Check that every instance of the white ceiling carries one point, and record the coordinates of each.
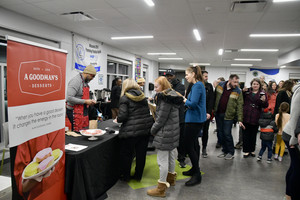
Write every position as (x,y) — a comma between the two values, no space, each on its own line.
(171,23)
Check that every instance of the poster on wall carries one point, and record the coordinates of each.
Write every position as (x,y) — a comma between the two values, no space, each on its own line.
(86,52)
(138,68)
(36,117)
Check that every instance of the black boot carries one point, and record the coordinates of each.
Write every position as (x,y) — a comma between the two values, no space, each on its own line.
(196,179)
(188,173)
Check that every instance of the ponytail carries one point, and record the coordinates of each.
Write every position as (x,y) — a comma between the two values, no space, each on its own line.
(283,108)
(198,73)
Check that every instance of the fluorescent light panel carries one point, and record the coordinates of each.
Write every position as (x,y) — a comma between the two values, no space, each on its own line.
(248,59)
(260,50)
(220,52)
(150,3)
(170,58)
(195,64)
(161,53)
(276,35)
(3,44)
(132,37)
(246,65)
(197,34)
(282,1)
(283,66)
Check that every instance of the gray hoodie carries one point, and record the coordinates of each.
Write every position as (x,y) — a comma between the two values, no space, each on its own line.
(289,129)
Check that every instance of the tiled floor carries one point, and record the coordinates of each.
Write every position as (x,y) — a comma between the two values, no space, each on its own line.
(237,179)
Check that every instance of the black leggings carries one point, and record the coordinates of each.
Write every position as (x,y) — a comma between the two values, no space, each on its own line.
(191,142)
(293,174)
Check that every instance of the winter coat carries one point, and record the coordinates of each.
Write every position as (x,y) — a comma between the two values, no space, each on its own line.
(166,126)
(235,102)
(253,106)
(272,101)
(290,131)
(210,97)
(178,87)
(134,115)
(196,104)
(267,127)
(282,96)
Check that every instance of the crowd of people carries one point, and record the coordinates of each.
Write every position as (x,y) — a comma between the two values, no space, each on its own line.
(182,115)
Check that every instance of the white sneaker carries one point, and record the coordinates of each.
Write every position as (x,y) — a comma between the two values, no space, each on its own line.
(279,158)
(276,156)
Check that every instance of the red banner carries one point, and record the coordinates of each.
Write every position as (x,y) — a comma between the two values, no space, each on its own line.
(36,113)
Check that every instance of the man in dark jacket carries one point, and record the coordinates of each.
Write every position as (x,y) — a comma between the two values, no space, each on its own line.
(115,97)
(209,106)
(178,87)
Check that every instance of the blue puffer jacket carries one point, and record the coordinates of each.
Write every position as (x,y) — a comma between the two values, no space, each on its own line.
(196,104)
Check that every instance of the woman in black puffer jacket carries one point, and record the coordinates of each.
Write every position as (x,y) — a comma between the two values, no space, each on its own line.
(136,122)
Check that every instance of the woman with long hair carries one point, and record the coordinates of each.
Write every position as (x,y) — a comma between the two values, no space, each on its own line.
(134,134)
(272,95)
(284,95)
(194,120)
(166,134)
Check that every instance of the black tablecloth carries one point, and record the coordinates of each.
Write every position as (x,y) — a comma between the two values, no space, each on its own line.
(94,170)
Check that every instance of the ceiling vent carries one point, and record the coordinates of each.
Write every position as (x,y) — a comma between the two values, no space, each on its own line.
(78,16)
(248,6)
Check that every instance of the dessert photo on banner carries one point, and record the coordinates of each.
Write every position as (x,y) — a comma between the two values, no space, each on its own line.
(39,164)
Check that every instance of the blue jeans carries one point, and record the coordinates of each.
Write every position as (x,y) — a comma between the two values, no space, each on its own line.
(266,144)
(224,130)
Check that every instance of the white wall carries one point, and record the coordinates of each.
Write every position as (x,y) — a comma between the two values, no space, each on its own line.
(216,72)
(14,21)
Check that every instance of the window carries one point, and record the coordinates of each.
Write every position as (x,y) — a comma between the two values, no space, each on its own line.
(116,68)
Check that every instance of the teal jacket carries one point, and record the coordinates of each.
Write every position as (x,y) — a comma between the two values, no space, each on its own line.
(235,102)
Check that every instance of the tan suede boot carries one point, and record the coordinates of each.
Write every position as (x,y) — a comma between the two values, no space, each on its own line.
(171,178)
(160,190)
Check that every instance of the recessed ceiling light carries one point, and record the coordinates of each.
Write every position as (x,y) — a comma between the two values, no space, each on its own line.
(260,50)
(170,58)
(276,35)
(161,54)
(221,51)
(132,37)
(196,64)
(246,65)
(248,59)
(281,1)
(149,3)
(197,34)
(283,66)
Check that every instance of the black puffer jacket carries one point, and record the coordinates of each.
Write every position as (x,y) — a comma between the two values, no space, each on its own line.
(134,114)
(166,126)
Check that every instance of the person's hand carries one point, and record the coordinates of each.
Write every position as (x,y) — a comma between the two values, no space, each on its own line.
(184,99)
(40,178)
(245,89)
(207,116)
(263,98)
(242,125)
(89,102)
